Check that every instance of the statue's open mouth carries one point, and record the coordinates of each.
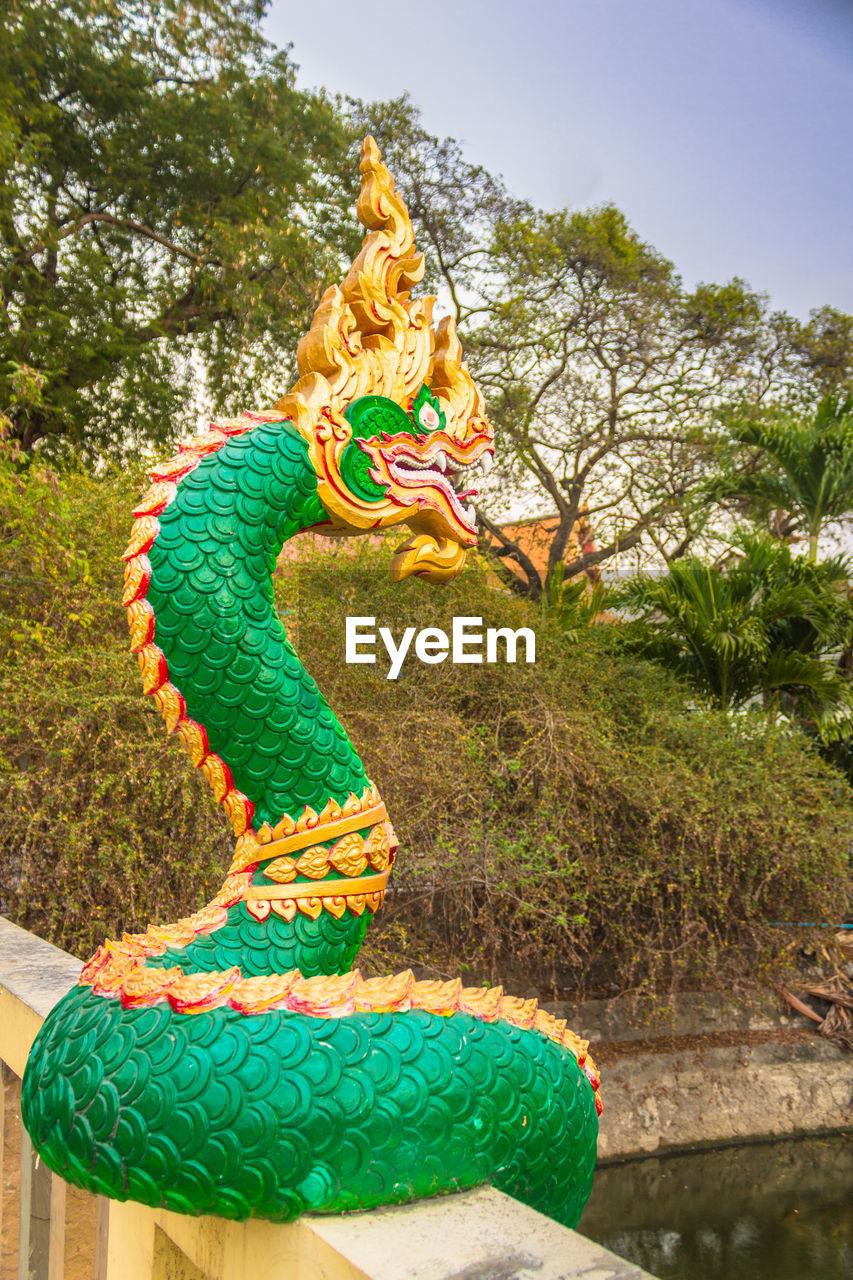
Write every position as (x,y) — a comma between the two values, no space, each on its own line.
(437,463)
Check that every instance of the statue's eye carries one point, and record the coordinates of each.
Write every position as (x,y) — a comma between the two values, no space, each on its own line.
(427,417)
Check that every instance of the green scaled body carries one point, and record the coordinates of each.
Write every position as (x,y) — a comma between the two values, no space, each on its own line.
(212,596)
(278,1113)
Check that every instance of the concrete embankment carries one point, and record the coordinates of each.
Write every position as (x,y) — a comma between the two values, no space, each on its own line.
(709,1071)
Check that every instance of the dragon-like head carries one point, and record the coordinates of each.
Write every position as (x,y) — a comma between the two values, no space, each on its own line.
(395,425)
(413,470)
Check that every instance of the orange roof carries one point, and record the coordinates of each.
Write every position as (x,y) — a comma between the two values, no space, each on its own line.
(534,536)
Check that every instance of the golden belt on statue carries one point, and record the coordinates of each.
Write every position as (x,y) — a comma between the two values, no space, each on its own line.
(292,850)
(332,888)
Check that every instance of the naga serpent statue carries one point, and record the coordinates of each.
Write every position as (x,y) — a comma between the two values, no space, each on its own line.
(234,1063)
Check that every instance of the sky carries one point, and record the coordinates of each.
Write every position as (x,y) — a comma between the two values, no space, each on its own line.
(722,128)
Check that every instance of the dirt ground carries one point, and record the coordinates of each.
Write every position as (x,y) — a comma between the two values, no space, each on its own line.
(80,1207)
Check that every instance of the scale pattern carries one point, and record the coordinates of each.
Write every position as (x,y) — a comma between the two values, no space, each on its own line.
(211,593)
(324,945)
(276,1112)
(280,1114)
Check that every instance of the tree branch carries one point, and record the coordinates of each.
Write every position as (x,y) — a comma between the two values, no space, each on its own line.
(589,558)
(127,224)
(513,551)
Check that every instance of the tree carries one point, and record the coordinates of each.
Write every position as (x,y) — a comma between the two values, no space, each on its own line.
(599,369)
(823,351)
(792,472)
(167,199)
(456,207)
(602,372)
(772,628)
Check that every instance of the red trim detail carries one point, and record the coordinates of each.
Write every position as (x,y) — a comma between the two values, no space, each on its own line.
(169,475)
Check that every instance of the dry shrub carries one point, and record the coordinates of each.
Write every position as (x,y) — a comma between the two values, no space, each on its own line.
(570,824)
(573,824)
(105,826)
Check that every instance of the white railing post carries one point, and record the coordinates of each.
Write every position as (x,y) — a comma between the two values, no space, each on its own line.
(102,1236)
(56,1256)
(4,1074)
(41,1227)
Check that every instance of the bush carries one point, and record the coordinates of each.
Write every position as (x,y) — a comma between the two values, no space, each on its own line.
(574,824)
(105,825)
(563,825)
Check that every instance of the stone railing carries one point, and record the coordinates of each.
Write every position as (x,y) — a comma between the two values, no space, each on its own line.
(64,1233)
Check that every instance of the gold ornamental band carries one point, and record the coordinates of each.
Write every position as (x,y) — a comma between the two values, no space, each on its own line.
(319,889)
(328,831)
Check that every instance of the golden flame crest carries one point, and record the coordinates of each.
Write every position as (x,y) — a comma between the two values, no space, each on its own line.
(369,337)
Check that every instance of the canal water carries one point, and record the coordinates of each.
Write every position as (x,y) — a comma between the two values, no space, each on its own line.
(768,1211)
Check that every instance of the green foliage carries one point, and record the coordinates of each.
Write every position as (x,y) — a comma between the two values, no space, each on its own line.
(793,470)
(169,204)
(563,825)
(570,824)
(771,627)
(104,825)
(603,373)
(574,604)
(824,347)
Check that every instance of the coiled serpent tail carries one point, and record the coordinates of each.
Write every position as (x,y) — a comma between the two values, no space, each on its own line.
(231,1063)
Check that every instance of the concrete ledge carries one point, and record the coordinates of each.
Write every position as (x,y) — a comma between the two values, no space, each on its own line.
(656,1102)
(34,975)
(477,1235)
